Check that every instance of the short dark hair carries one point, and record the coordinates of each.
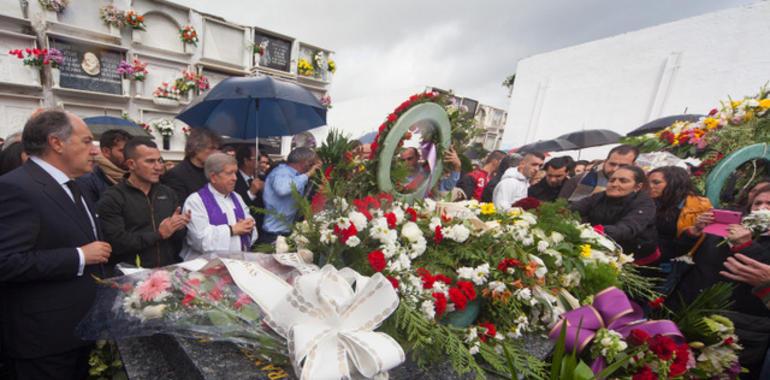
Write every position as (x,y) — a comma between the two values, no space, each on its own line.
(200,139)
(46,123)
(539,155)
(496,155)
(243,153)
(557,163)
(112,137)
(129,152)
(624,149)
(10,158)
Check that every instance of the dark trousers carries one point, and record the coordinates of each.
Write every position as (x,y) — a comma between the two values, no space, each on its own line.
(269,237)
(72,365)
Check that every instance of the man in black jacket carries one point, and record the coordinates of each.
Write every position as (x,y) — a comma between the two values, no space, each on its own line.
(248,184)
(49,250)
(110,166)
(187,177)
(140,217)
(547,190)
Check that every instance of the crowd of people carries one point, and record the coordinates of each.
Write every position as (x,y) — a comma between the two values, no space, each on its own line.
(70,211)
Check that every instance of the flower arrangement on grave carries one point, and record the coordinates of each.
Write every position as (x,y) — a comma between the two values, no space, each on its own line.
(125,69)
(692,343)
(732,125)
(332,66)
(57,6)
(192,81)
(186,130)
(139,70)
(134,20)
(305,68)
(188,35)
(259,48)
(167,90)
(39,57)
(164,127)
(112,16)
(326,101)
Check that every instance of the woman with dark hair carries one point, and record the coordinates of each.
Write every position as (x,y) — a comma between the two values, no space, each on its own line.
(12,157)
(625,212)
(677,205)
(505,163)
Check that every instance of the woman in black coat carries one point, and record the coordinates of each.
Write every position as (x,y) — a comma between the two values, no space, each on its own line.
(626,213)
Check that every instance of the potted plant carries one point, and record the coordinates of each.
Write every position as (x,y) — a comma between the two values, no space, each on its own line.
(167,94)
(113,17)
(126,71)
(188,35)
(258,51)
(52,8)
(165,128)
(139,75)
(136,22)
(186,84)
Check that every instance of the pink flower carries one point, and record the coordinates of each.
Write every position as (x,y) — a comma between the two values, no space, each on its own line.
(155,286)
(243,299)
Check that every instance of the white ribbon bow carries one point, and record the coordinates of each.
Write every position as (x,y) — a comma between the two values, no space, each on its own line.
(329,325)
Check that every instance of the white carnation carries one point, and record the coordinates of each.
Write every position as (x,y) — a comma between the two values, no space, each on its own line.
(411,231)
(458,233)
(465,273)
(428,309)
(496,286)
(418,248)
(480,274)
(399,213)
(328,236)
(353,241)
(542,245)
(358,219)
(281,246)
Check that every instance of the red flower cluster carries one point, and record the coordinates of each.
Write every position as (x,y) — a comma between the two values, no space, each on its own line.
(439,299)
(527,203)
(662,346)
(438,235)
(638,337)
(345,234)
(657,303)
(391,219)
(645,374)
(411,214)
(393,281)
(460,294)
(392,117)
(377,260)
(668,137)
(508,263)
(487,330)
(318,203)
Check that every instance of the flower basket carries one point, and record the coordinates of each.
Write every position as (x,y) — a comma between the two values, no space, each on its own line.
(55,77)
(165,102)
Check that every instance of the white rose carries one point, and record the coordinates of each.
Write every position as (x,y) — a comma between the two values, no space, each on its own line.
(399,213)
(556,237)
(153,311)
(458,233)
(418,248)
(411,231)
(353,241)
(358,219)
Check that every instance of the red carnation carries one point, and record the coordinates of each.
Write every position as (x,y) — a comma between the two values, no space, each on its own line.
(328,171)
(458,298)
(318,202)
(599,229)
(507,263)
(387,198)
(662,346)
(427,278)
(377,260)
(638,337)
(393,281)
(440,303)
(438,236)
(488,330)
(443,278)
(414,98)
(527,203)
(412,214)
(373,150)
(656,303)
(372,201)
(362,207)
(729,340)
(679,366)
(468,289)
(382,128)
(392,118)
(391,219)
(645,374)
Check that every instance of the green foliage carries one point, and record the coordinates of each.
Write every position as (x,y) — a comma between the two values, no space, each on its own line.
(336,145)
(598,276)
(104,362)
(637,286)
(690,317)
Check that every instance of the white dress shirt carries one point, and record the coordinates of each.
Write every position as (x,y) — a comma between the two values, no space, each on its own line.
(202,237)
(62,179)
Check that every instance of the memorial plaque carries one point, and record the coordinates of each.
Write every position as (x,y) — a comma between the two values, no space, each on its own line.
(89,68)
(277,53)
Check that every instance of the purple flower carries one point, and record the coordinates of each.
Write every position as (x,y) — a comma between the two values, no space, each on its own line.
(55,57)
(125,68)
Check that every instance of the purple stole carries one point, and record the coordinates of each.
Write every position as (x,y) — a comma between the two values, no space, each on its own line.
(218,218)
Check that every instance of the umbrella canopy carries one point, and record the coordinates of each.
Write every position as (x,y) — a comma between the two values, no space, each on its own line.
(100,124)
(662,123)
(252,107)
(367,138)
(555,145)
(591,137)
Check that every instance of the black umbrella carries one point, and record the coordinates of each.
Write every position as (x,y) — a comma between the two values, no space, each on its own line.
(555,145)
(662,123)
(591,137)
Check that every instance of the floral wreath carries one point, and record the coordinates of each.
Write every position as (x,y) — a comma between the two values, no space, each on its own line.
(391,119)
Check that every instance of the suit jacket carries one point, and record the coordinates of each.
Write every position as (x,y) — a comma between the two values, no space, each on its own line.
(42,297)
(243,190)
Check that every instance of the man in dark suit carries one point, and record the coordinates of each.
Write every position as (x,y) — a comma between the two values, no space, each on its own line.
(187,177)
(248,184)
(49,250)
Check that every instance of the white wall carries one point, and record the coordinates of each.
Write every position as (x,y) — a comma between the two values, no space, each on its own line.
(622,82)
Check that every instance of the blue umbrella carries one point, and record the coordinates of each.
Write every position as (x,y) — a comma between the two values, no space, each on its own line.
(100,124)
(251,107)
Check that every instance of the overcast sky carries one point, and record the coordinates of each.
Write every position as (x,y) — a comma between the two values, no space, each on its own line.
(385,50)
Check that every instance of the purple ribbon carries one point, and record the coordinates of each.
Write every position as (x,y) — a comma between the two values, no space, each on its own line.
(218,218)
(612,310)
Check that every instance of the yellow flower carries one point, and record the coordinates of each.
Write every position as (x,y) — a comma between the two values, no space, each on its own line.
(764,103)
(514,212)
(710,123)
(736,103)
(585,250)
(749,116)
(488,208)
